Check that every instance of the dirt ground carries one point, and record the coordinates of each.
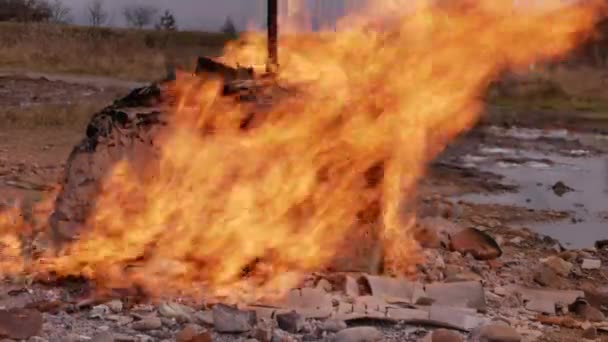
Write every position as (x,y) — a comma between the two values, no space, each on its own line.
(493,161)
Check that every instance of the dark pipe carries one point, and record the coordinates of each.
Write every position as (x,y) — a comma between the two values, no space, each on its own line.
(273,32)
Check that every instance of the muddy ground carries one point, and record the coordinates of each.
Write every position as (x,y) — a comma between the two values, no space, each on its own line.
(539,190)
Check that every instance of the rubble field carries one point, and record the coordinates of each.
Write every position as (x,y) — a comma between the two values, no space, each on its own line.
(512,223)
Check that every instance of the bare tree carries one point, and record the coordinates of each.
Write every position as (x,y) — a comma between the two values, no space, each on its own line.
(96,13)
(167,22)
(24,10)
(139,16)
(59,12)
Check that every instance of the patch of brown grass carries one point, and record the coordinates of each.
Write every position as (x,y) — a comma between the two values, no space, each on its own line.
(141,55)
(73,116)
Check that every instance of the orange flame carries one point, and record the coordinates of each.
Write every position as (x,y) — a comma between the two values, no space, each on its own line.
(288,192)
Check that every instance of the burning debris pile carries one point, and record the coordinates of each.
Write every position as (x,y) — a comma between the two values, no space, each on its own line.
(223,185)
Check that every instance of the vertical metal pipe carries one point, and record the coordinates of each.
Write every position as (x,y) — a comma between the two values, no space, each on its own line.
(273,33)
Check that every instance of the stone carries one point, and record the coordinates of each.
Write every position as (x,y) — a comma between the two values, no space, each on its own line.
(203,337)
(351,287)
(204,317)
(103,337)
(359,334)
(558,265)
(383,287)
(325,285)
(291,322)
(262,334)
(590,333)
(545,276)
(404,314)
(545,301)
(444,335)
(333,325)
(496,332)
(119,319)
(310,303)
(147,323)
(228,319)
(178,311)
(115,305)
(188,333)
(468,294)
(99,311)
(462,276)
(456,318)
(124,338)
(20,324)
(476,243)
(591,264)
(583,309)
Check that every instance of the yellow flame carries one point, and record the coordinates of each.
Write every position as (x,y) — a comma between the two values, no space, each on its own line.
(286,196)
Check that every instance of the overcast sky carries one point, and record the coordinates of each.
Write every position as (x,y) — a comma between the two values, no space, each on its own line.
(195,14)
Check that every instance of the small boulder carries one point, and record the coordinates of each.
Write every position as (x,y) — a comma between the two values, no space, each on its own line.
(545,276)
(228,319)
(188,333)
(587,312)
(115,305)
(591,264)
(475,242)
(103,337)
(20,324)
(148,323)
(496,332)
(359,334)
(558,265)
(333,325)
(291,322)
(590,333)
(444,335)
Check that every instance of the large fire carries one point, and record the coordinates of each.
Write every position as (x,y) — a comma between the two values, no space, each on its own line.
(283,198)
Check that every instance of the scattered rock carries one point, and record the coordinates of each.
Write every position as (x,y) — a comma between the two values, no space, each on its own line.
(325,285)
(291,322)
(334,325)
(20,324)
(124,338)
(590,333)
(455,318)
(558,265)
(560,188)
(359,334)
(204,317)
(115,305)
(444,335)
(591,264)
(467,294)
(202,337)
(103,337)
(178,311)
(148,323)
(496,333)
(310,303)
(188,333)
(545,276)
(475,242)
(384,287)
(583,309)
(228,319)
(99,311)
(262,334)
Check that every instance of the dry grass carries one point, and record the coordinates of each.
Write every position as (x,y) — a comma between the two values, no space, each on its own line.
(72,116)
(577,89)
(141,55)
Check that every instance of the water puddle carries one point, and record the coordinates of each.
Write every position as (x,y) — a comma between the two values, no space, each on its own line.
(572,181)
